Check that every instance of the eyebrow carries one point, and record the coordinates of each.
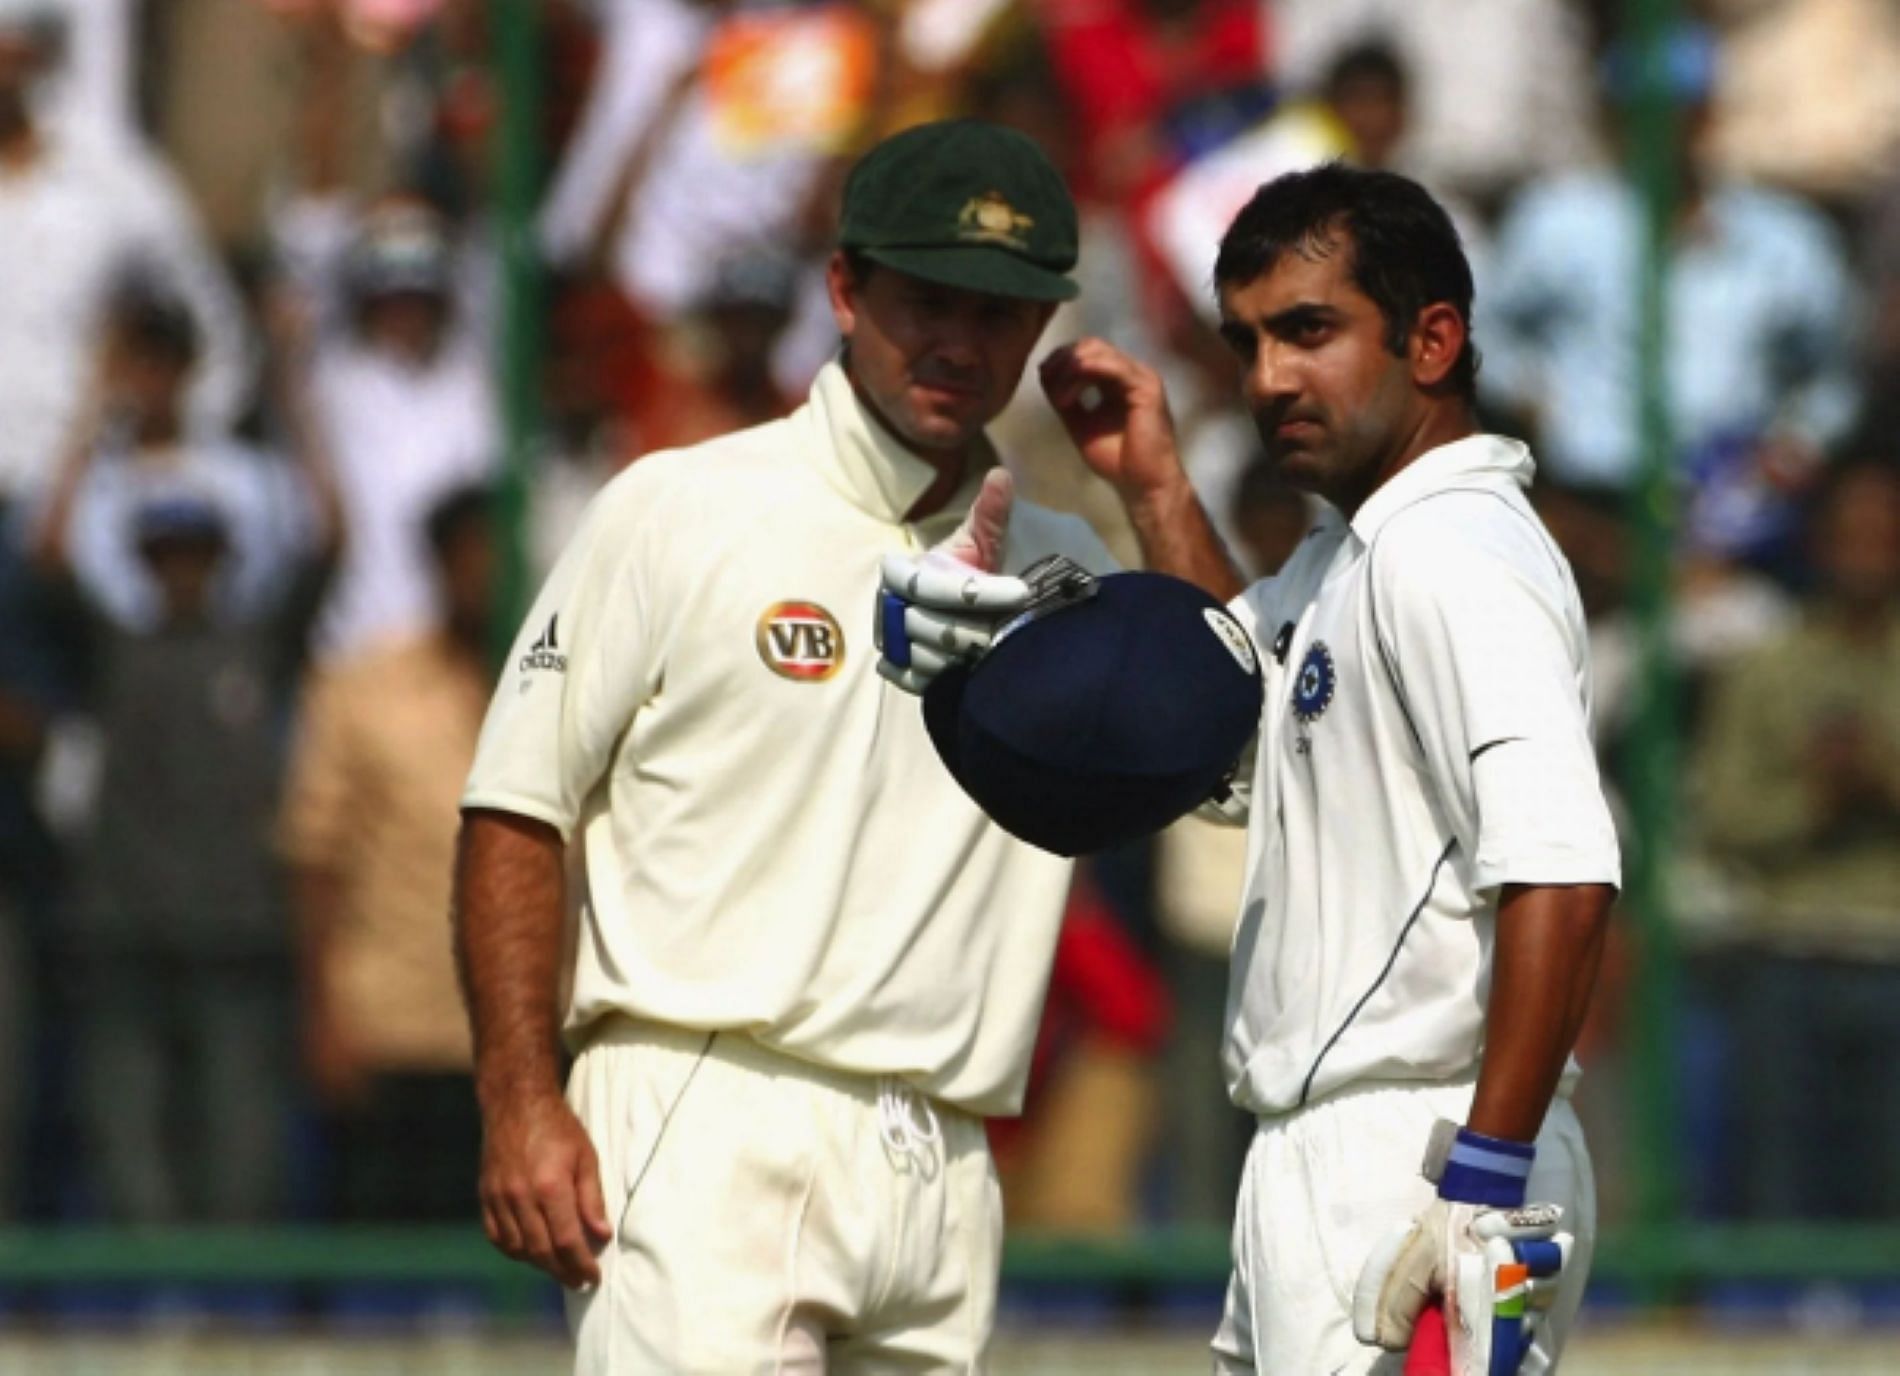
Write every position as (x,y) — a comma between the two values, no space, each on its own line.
(1238,336)
(1301,316)
(1239,333)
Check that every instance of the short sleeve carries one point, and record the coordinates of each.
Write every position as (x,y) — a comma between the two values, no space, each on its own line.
(583,663)
(1480,626)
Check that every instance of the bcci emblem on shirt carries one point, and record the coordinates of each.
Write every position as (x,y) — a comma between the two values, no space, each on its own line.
(1313,690)
(800,641)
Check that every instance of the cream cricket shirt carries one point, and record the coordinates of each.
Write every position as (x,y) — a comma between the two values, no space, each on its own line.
(1424,741)
(770,841)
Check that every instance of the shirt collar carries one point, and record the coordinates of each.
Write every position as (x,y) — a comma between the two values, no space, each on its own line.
(867,464)
(1479,461)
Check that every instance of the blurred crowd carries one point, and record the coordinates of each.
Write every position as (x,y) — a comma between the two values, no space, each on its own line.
(252,544)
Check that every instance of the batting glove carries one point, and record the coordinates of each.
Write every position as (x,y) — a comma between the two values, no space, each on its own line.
(1493,1259)
(943,606)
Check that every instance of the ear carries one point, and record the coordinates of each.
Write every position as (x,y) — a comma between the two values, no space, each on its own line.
(1438,339)
(843,292)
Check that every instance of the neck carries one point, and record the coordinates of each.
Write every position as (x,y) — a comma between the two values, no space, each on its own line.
(942,488)
(950,464)
(1440,423)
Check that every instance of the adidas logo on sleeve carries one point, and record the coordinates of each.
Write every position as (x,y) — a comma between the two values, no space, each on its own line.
(545,653)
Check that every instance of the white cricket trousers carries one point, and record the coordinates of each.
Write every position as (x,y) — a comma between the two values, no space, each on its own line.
(774,1216)
(1325,1184)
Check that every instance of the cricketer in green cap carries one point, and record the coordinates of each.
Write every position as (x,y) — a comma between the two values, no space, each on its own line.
(967,204)
(953,249)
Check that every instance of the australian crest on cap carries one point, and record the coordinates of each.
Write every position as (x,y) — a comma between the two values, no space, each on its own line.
(990,219)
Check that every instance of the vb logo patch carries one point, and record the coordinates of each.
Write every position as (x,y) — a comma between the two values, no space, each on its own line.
(1313,689)
(800,641)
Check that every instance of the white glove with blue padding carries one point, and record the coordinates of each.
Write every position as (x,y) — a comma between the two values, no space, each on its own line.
(943,605)
(1493,1260)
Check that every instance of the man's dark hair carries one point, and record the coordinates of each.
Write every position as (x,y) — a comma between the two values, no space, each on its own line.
(467,508)
(154,324)
(1405,252)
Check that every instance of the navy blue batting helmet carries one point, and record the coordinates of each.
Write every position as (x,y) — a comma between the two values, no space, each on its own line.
(1105,720)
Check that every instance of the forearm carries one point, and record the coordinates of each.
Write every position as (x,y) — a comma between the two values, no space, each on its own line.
(310,447)
(50,542)
(508,920)
(1544,965)
(1177,538)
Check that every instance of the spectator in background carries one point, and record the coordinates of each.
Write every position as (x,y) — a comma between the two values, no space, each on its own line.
(75,215)
(585,436)
(708,133)
(403,397)
(722,377)
(1798,794)
(711,377)
(369,830)
(1147,86)
(332,200)
(1760,331)
(1807,95)
(93,91)
(354,97)
(1500,91)
(175,931)
(1153,83)
(713,132)
(150,350)
(1719,612)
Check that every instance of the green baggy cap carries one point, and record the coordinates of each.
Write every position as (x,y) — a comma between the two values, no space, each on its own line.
(966,204)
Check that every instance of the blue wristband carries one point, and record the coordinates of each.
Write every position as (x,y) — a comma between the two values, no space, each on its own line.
(1490,1171)
(1545,1259)
(895,641)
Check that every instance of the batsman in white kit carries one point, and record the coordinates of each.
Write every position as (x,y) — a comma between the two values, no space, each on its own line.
(1431,862)
(802,967)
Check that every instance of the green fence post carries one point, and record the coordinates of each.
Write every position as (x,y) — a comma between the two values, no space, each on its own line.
(516,36)
(1655,748)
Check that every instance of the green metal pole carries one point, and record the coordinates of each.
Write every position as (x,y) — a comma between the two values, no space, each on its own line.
(1654,761)
(516,29)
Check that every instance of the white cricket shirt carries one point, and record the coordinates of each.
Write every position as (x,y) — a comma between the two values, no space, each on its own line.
(770,841)
(1424,741)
